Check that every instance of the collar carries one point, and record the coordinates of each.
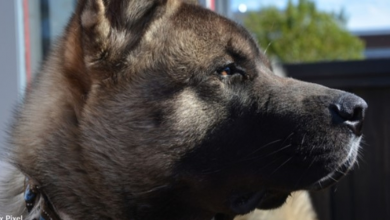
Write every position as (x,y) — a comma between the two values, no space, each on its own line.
(37,202)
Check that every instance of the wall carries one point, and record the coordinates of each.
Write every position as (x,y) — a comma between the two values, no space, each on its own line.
(9,63)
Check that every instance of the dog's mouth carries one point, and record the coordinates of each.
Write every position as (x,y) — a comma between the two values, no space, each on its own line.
(243,203)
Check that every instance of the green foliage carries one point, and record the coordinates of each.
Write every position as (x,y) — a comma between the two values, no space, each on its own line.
(301,33)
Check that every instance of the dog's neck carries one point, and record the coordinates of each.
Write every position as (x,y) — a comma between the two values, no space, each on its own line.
(72,195)
(39,206)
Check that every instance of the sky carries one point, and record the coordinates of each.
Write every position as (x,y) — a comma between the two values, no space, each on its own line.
(362,15)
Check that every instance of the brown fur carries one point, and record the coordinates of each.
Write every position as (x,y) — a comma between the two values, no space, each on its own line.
(131,118)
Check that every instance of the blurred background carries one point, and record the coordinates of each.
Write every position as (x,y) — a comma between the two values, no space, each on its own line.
(342,44)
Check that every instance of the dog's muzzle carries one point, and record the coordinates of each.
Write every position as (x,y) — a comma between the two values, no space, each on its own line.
(348,110)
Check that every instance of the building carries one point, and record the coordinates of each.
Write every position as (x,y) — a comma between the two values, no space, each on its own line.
(220,6)
(377,43)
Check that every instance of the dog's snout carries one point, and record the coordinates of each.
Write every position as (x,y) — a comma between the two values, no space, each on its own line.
(350,109)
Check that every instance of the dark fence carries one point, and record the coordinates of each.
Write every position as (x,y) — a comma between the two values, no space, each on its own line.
(365,193)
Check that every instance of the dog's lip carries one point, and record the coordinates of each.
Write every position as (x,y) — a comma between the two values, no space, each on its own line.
(245,202)
(221,216)
(242,203)
(332,178)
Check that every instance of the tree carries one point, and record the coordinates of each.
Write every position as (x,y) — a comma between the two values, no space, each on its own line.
(301,33)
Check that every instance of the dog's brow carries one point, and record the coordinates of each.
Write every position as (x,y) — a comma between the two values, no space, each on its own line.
(238,52)
(237,55)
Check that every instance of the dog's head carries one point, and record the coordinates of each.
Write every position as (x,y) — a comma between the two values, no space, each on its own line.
(163,108)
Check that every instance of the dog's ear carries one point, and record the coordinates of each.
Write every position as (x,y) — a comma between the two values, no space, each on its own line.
(99,34)
(110,27)
(95,28)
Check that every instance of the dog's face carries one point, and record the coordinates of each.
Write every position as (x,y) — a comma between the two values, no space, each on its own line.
(181,109)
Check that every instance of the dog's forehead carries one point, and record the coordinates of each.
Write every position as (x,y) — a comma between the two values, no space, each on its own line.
(187,34)
(215,29)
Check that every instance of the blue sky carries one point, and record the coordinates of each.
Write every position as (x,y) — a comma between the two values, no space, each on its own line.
(362,14)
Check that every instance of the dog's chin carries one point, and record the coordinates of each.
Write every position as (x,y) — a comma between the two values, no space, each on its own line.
(338,173)
(241,203)
(333,177)
(245,202)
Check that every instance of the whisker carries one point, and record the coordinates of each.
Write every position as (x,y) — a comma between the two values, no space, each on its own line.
(341,172)
(287,146)
(333,179)
(270,154)
(357,164)
(303,139)
(265,51)
(272,162)
(282,165)
(360,157)
(151,190)
(319,183)
(304,173)
(264,146)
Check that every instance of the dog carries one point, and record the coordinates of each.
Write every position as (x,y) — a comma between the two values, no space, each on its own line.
(161,109)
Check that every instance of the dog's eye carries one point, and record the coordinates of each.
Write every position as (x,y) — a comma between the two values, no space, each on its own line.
(230,70)
(226,71)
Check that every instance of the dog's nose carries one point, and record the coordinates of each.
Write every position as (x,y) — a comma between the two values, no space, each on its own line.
(350,109)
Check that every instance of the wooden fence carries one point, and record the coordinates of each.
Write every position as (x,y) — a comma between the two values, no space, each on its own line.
(365,193)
